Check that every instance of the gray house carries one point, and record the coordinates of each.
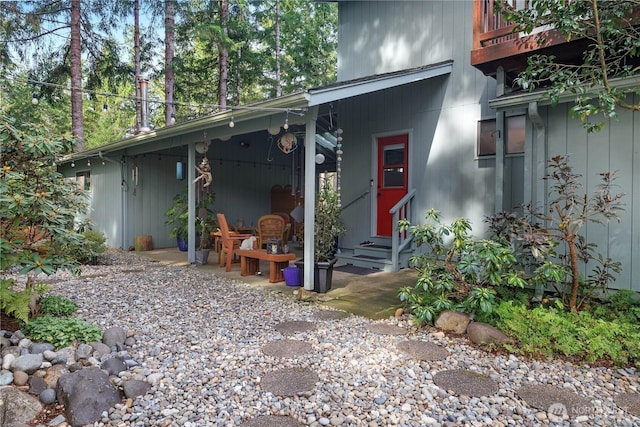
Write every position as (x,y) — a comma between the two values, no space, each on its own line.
(426,121)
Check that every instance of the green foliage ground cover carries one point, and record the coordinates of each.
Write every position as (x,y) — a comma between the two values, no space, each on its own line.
(545,250)
(61,331)
(606,333)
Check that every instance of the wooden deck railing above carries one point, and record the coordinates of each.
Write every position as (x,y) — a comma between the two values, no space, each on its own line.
(496,43)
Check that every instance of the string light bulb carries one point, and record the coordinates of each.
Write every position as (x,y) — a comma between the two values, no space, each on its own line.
(105,106)
(88,162)
(231,123)
(34,100)
(286,122)
(73,164)
(172,120)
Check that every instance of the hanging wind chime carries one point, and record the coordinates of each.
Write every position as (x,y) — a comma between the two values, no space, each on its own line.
(338,164)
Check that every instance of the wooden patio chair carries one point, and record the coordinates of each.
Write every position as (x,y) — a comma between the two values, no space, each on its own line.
(270,226)
(230,242)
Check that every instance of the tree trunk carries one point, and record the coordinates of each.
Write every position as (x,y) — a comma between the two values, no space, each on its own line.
(77,127)
(136,59)
(223,54)
(169,49)
(277,30)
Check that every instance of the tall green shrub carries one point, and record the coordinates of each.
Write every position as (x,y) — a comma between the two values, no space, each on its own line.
(540,232)
(456,272)
(39,207)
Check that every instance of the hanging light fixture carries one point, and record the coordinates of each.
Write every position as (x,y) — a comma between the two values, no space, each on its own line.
(286,121)
(34,100)
(73,164)
(172,120)
(89,162)
(105,106)
(232,123)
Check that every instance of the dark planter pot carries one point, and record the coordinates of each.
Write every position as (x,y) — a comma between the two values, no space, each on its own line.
(202,257)
(322,274)
(182,244)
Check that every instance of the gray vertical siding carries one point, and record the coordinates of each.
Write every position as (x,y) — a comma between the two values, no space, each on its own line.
(615,148)
(440,115)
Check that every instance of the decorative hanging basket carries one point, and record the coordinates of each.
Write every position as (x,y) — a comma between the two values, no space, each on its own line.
(287,143)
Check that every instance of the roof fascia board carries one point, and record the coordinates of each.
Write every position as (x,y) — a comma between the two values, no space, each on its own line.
(522,100)
(348,90)
(280,105)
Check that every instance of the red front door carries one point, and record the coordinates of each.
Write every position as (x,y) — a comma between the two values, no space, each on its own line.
(393,172)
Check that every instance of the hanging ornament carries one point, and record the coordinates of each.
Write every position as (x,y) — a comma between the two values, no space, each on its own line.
(287,143)
(339,153)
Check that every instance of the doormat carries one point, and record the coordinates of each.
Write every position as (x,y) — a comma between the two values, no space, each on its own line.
(352,269)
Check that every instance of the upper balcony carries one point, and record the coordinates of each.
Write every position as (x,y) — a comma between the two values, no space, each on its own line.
(496,43)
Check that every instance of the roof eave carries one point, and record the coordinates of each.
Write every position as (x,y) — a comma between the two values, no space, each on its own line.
(522,100)
(294,102)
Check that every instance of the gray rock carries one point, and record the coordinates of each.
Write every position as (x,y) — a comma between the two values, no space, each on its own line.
(39,347)
(49,355)
(453,321)
(6,378)
(483,333)
(4,342)
(37,385)
(74,367)
(48,396)
(8,360)
(13,350)
(17,407)
(60,359)
(135,388)
(25,343)
(57,420)
(84,351)
(114,366)
(114,336)
(86,394)
(28,363)
(69,353)
(100,349)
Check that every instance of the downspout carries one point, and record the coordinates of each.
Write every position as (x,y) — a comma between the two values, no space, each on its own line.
(499,188)
(309,196)
(537,158)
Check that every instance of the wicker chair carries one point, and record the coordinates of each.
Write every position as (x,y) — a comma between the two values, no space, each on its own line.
(270,226)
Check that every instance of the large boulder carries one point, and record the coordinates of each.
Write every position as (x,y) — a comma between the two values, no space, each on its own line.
(483,333)
(86,394)
(17,407)
(453,321)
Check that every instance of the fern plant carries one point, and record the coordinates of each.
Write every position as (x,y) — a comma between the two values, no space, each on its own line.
(20,304)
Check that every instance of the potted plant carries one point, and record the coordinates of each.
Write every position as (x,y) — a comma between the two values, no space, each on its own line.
(327,228)
(177,216)
(202,253)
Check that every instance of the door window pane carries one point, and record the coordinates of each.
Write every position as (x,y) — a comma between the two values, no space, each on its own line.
(393,155)
(393,177)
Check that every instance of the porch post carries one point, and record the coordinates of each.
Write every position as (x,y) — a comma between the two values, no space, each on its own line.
(309,195)
(191,200)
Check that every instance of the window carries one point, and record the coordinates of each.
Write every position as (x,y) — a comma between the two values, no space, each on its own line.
(514,136)
(83,179)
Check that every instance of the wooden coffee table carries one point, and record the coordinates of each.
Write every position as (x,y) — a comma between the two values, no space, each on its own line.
(250,263)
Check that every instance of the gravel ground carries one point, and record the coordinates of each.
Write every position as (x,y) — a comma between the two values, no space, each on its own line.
(210,347)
